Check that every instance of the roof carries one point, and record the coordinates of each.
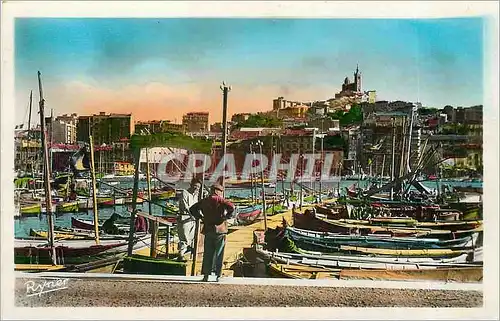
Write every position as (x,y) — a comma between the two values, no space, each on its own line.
(297,132)
(251,129)
(197,113)
(244,134)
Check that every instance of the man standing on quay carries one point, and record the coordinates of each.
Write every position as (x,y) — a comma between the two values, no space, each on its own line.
(215,211)
(186,223)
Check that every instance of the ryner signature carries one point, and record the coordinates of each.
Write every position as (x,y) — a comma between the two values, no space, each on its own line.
(34,288)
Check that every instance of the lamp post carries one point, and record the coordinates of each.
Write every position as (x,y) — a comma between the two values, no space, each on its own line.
(225,91)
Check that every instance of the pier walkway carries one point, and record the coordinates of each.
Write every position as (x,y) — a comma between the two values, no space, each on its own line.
(99,290)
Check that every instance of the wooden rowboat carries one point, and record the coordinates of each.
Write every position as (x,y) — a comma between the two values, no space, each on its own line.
(67,207)
(73,251)
(38,267)
(467,274)
(316,223)
(162,195)
(360,261)
(331,241)
(397,252)
(89,225)
(248,217)
(82,224)
(34,209)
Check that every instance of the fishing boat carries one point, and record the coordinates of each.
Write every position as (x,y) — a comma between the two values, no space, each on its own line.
(33,268)
(105,201)
(130,200)
(312,222)
(86,203)
(398,252)
(57,235)
(248,215)
(89,225)
(314,258)
(463,274)
(82,224)
(67,207)
(412,223)
(276,209)
(242,201)
(34,209)
(75,234)
(73,251)
(289,271)
(244,183)
(162,195)
(330,241)
(332,211)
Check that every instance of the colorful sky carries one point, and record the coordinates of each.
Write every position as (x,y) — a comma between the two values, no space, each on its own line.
(163,68)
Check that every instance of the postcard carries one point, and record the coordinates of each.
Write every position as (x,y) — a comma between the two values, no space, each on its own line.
(275,159)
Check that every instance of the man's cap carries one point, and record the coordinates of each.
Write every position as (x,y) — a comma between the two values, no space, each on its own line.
(195,181)
(218,187)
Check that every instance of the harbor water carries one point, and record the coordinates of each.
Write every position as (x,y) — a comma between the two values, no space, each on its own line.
(39,222)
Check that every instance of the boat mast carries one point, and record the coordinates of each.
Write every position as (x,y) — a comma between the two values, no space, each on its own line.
(251,175)
(46,172)
(51,137)
(154,229)
(225,90)
(402,159)
(197,224)
(392,157)
(260,143)
(94,192)
(383,167)
(29,115)
(408,148)
(313,161)
(321,162)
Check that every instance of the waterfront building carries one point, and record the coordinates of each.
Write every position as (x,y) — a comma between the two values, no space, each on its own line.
(62,129)
(159,126)
(28,150)
(105,128)
(283,108)
(196,121)
(241,117)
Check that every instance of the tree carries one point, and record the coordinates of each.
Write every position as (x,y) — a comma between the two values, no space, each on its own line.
(353,116)
(334,142)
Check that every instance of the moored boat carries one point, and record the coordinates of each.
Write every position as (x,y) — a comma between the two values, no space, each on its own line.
(67,207)
(73,251)
(34,209)
(463,274)
(330,241)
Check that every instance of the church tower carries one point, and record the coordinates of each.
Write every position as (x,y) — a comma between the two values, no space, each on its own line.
(357,79)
